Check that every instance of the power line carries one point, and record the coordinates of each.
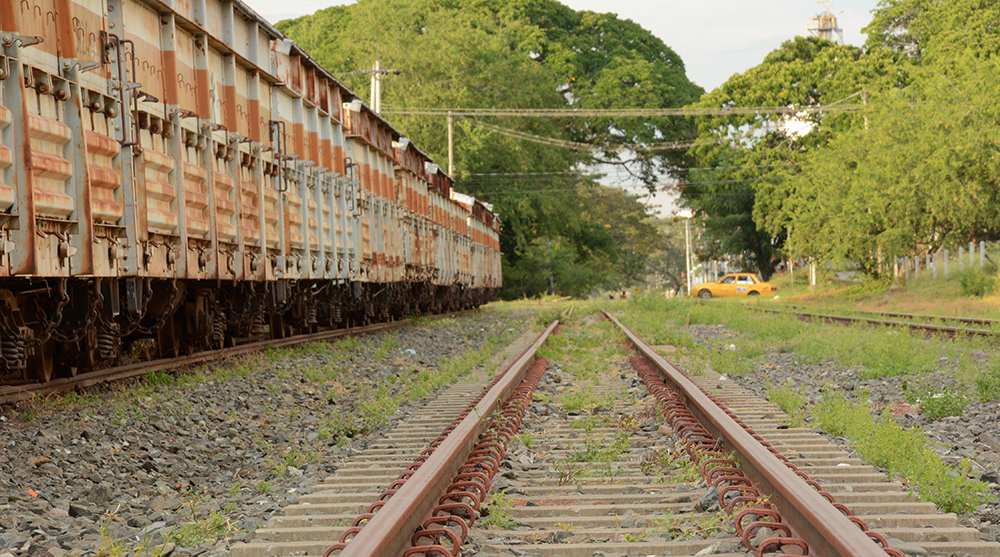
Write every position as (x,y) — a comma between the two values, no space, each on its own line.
(617,112)
(578,172)
(662,146)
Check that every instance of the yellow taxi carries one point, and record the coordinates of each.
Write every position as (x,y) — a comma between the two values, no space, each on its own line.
(734,284)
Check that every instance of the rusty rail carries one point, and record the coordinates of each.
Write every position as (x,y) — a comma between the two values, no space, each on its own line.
(388,532)
(921,316)
(19,393)
(928,329)
(812,518)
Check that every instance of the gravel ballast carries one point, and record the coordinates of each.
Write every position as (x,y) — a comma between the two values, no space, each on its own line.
(137,470)
(973,436)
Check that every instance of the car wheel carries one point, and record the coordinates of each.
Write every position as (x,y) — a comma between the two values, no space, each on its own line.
(705,294)
(753,293)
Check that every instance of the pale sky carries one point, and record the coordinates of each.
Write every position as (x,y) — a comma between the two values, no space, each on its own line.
(714,38)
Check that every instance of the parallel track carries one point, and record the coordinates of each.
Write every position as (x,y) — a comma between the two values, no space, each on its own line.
(555,512)
(925,317)
(19,393)
(928,329)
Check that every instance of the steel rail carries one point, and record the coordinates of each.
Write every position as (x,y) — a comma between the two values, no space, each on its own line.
(389,531)
(900,315)
(812,518)
(844,319)
(19,393)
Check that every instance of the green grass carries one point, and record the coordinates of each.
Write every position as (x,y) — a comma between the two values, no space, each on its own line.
(496,513)
(791,401)
(936,403)
(902,451)
(876,351)
(585,400)
(988,382)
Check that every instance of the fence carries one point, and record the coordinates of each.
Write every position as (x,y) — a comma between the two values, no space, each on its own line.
(911,266)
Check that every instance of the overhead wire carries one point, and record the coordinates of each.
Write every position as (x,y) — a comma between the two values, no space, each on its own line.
(615,112)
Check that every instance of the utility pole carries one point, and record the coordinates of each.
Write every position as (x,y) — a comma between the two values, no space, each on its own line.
(451,145)
(376,88)
(687,215)
(687,251)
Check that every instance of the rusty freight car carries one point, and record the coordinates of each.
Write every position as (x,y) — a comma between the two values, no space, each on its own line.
(179,170)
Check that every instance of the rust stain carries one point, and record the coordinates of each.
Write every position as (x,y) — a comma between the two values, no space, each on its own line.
(326,154)
(170,86)
(254,110)
(8,16)
(28,211)
(64,26)
(299,138)
(229,102)
(338,159)
(203,92)
(314,147)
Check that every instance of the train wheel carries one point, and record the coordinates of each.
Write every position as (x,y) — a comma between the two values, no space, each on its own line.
(168,338)
(278,327)
(42,362)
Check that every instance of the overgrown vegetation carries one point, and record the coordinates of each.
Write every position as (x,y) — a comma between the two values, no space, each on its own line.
(791,401)
(937,403)
(497,513)
(978,282)
(902,451)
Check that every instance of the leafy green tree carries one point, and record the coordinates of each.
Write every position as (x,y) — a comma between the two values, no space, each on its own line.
(922,175)
(509,54)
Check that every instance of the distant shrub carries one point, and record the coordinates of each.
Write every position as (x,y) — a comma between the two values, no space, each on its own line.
(988,383)
(977,283)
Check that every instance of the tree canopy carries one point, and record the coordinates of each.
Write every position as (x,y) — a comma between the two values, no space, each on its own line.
(913,168)
(517,54)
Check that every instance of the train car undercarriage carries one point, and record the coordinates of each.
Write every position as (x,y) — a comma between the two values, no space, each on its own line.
(57,327)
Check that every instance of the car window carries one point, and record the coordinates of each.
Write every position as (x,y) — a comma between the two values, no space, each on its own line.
(728,280)
(744,280)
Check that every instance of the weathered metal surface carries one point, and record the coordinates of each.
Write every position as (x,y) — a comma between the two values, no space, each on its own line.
(928,329)
(413,501)
(190,140)
(812,518)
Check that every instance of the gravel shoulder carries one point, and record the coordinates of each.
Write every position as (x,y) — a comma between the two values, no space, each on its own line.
(973,436)
(188,468)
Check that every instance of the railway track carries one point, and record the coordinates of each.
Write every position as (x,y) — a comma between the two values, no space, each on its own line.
(10,394)
(925,317)
(618,481)
(927,328)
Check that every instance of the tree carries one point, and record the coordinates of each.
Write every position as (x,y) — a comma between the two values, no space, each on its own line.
(509,54)
(921,176)
(744,188)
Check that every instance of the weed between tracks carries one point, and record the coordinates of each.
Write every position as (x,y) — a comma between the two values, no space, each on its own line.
(496,513)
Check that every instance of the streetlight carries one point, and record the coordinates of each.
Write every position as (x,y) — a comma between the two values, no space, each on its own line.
(687,215)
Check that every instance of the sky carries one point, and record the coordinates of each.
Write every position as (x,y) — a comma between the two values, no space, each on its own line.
(714,38)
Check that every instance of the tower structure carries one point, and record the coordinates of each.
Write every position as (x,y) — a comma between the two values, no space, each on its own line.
(824,25)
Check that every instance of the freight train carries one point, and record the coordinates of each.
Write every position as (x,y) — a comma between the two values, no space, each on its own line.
(180,171)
